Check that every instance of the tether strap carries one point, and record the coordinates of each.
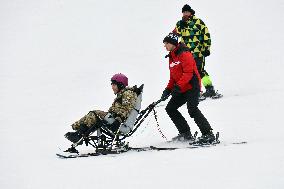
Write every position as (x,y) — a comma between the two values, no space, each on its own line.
(158,126)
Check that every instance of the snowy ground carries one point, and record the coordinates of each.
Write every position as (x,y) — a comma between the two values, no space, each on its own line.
(56,58)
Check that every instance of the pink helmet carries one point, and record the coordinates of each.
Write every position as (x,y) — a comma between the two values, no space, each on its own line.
(120,79)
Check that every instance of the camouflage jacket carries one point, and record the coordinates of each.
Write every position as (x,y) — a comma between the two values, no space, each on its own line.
(123,104)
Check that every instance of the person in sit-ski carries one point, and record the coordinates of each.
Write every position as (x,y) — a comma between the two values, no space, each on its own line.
(184,86)
(119,110)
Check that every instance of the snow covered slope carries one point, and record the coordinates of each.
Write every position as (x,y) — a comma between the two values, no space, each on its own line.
(56,60)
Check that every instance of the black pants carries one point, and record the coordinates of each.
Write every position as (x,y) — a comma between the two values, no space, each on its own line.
(190,97)
(200,63)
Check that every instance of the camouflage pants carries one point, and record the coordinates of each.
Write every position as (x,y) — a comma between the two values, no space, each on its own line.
(90,119)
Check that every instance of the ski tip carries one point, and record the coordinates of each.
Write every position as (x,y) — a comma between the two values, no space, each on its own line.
(217,96)
(61,156)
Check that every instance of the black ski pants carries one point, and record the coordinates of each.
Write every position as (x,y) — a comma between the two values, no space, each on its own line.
(200,63)
(191,98)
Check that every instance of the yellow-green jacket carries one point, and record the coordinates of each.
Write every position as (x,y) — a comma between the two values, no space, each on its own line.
(195,35)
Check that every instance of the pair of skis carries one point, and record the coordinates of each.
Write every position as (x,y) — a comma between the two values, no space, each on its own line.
(126,148)
(140,149)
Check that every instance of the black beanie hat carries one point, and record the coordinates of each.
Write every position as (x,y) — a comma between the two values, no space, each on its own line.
(172,38)
(186,7)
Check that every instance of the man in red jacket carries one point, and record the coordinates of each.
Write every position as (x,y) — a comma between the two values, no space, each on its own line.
(184,86)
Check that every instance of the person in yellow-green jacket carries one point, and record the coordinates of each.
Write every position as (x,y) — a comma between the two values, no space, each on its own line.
(194,33)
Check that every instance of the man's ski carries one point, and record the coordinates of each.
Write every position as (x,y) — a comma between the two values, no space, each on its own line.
(191,146)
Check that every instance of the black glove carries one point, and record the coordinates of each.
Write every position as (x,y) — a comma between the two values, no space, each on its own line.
(166,94)
(206,53)
(176,91)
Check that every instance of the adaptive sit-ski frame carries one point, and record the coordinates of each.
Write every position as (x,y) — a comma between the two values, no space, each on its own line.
(107,140)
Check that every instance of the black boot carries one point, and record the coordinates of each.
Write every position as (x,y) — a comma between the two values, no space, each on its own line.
(210,91)
(183,137)
(207,138)
(77,135)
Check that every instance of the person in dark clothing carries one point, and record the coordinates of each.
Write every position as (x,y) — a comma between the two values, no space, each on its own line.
(184,86)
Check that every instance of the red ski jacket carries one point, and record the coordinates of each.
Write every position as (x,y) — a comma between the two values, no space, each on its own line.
(183,69)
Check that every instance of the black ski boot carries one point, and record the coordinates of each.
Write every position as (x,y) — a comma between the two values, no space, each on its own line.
(210,91)
(77,135)
(183,137)
(208,138)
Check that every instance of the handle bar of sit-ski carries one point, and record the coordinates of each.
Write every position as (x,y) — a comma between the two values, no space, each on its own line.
(159,101)
(154,104)
(144,113)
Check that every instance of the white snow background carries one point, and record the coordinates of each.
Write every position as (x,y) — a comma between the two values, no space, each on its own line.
(56,60)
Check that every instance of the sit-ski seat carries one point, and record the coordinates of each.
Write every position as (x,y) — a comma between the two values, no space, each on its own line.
(105,135)
(128,125)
